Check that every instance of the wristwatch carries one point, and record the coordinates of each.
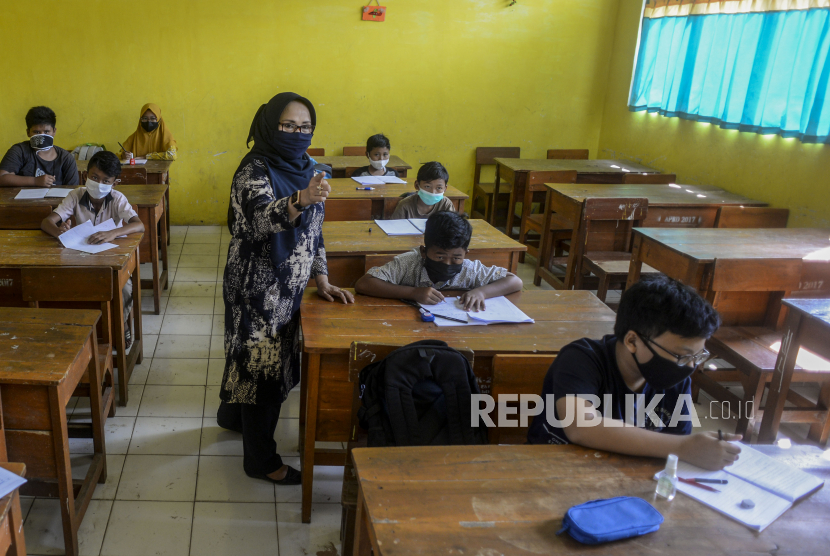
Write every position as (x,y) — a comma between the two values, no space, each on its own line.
(295,200)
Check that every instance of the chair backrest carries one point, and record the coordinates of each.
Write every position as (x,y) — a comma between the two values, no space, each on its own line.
(752,217)
(354,151)
(350,170)
(341,210)
(568,154)
(649,178)
(373,260)
(23,217)
(515,374)
(608,223)
(485,156)
(316,152)
(132,176)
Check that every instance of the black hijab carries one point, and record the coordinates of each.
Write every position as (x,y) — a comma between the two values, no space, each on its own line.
(286,176)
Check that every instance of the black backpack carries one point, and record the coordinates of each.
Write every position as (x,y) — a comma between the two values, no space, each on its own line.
(419,395)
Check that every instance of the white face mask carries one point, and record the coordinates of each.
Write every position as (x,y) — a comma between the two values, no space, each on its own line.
(379,164)
(97,190)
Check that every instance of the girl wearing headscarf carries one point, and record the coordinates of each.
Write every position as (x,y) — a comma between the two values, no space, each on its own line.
(276,220)
(151,140)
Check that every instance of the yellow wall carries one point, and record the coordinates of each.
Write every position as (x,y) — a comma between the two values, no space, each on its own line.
(782,172)
(439,78)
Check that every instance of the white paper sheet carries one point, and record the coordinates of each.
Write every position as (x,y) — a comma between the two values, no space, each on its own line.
(9,481)
(77,237)
(779,478)
(419,223)
(391,179)
(500,310)
(368,180)
(398,227)
(137,163)
(32,193)
(59,192)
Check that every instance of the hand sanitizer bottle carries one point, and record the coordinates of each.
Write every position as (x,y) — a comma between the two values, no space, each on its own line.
(667,484)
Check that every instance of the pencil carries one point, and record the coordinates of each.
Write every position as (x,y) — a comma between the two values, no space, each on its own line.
(448,318)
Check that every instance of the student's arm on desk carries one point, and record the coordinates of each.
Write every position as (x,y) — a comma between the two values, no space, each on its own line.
(375,287)
(51,227)
(473,300)
(701,449)
(7,179)
(134,226)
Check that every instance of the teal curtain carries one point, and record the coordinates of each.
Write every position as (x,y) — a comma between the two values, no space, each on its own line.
(765,72)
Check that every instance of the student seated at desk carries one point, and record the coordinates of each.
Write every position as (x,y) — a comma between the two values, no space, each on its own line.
(98,201)
(658,341)
(440,264)
(38,162)
(377,151)
(430,186)
(151,139)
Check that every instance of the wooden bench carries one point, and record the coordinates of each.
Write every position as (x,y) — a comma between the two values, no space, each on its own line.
(515,375)
(485,191)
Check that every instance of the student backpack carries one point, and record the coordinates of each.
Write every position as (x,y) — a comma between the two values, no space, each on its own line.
(419,395)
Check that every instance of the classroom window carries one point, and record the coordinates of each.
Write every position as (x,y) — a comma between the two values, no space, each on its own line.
(752,65)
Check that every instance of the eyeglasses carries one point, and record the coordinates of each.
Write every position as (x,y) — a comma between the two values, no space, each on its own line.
(292,128)
(682,360)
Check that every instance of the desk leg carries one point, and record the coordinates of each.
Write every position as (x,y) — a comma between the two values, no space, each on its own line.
(491,210)
(362,544)
(545,242)
(636,263)
(18,547)
(166,180)
(527,205)
(511,206)
(118,342)
(165,240)
(154,262)
(781,378)
(66,494)
(96,386)
(312,388)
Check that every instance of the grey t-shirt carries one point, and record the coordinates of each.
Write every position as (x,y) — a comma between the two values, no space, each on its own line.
(22,160)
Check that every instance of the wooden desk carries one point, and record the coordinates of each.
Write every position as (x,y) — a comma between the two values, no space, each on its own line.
(12,542)
(689,255)
(669,206)
(36,270)
(384,197)
(808,326)
(157,172)
(516,170)
(340,163)
(42,364)
(329,329)
(348,243)
(511,500)
(148,202)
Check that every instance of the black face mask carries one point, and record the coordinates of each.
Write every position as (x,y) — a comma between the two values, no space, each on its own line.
(660,373)
(41,142)
(440,272)
(149,126)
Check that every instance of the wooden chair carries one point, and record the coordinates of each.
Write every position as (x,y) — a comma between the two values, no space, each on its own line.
(560,228)
(748,293)
(350,170)
(752,217)
(26,217)
(515,374)
(316,152)
(348,209)
(536,192)
(354,151)
(371,261)
(135,175)
(484,191)
(568,154)
(650,178)
(605,236)
(361,354)
(12,542)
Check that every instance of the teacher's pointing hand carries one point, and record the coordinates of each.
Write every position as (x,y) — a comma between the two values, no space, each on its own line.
(316,192)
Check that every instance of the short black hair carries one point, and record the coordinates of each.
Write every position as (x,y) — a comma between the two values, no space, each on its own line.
(377,141)
(658,303)
(447,230)
(106,162)
(433,171)
(40,115)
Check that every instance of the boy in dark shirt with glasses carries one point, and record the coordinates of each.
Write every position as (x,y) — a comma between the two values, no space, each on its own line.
(634,387)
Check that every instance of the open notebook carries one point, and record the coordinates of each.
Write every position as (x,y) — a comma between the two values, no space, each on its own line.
(773,487)
(42,193)
(377,180)
(405,227)
(498,310)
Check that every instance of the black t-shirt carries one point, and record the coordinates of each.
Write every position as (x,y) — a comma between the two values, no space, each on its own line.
(590,367)
(22,160)
(364,171)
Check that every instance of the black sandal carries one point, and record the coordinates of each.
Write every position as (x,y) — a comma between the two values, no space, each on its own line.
(292,477)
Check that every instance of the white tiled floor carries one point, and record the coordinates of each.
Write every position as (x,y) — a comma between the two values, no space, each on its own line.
(175,483)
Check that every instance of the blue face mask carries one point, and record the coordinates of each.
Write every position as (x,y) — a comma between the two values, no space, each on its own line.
(291,146)
(429,198)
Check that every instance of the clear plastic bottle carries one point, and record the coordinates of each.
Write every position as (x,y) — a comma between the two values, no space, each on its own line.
(667,484)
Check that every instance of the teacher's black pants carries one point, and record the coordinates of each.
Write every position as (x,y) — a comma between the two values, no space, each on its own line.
(257,424)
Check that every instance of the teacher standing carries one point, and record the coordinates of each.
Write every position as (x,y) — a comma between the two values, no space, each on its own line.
(276,219)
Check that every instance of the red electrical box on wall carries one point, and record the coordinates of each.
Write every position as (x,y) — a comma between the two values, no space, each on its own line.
(374,13)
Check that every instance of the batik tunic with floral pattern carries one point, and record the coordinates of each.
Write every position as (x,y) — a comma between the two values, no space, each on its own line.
(262,299)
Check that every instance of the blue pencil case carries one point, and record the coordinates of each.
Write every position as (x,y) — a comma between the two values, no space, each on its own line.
(610,519)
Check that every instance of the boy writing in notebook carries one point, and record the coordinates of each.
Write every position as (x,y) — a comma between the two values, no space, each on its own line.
(97,202)
(38,162)
(658,341)
(377,151)
(430,186)
(440,264)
